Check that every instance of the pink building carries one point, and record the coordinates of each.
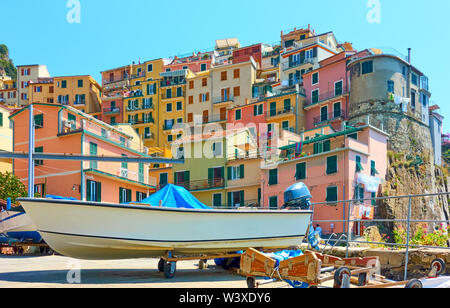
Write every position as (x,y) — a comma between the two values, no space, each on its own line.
(63,129)
(327,91)
(199,62)
(335,165)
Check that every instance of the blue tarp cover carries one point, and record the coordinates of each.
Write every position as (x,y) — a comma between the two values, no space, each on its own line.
(174,197)
(60,198)
(285,255)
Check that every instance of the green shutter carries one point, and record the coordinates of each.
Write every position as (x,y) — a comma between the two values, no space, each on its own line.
(187,175)
(88,190)
(300,173)
(242,170)
(99,192)
(210,173)
(359,167)
(327,146)
(273,177)
(242,197)
(229,200)
(373,170)
(255,110)
(287,104)
(1,119)
(120,195)
(332,194)
(331,164)
(229,173)
(316,148)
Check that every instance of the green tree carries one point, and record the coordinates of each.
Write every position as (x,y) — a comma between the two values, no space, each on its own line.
(11,187)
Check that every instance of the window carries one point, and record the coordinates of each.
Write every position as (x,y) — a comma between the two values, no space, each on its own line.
(315,96)
(94,191)
(191,84)
(359,167)
(353,136)
(373,170)
(236,73)
(337,110)
(273,177)
(140,196)
(169,138)
(217,149)
(39,121)
(204,82)
(300,173)
(1,119)
(332,194)
(315,78)
(141,173)
(367,67)
(338,88)
(236,198)
(258,109)
(179,105)
(331,164)
(150,68)
(322,147)
(169,93)
(324,113)
(80,83)
(236,172)
(223,76)
(39,150)
(273,202)
(237,91)
(191,100)
(190,117)
(63,84)
(93,152)
(285,125)
(217,200)
(203,67)
(359,193)
(390,86)
(124,195)
(163,179)
(238,115)
(273,109)
(179,92)
(414,79)
(287,104)
(413,100)
(169,107)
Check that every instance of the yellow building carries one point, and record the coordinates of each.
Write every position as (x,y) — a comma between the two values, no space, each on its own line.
(41,90)
(286,111)
(142,102)
(81,92)
(198,98)
(6,140)
(26,73)
(8,92)
(172,105)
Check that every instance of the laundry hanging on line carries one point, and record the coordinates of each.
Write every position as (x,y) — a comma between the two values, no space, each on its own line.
(371,183)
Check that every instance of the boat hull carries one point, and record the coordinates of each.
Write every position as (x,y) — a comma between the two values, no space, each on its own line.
(18,226)
(97,231)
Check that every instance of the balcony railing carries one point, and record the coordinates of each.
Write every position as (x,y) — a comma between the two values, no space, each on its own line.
(341,114)
(311,100)
(279,112)
(79,102)
(172,82)
(111,110)
(289,65)
(203,184)
(215,118)
(172,95)
(223,99)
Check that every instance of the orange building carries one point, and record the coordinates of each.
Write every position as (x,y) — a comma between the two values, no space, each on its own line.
(64,129)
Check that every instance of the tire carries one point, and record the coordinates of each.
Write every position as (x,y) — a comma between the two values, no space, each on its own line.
(161,265)
(362,279)
(251,282)
(170,269)
(414,284)
(440,266)
(339,276)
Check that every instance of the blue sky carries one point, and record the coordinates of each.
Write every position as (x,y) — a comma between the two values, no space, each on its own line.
(113,33)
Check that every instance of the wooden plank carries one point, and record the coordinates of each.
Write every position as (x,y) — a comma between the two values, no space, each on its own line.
(204,257)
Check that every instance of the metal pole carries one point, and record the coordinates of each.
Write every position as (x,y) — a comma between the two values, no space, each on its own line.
(348,229)
(408,234)
(30,153)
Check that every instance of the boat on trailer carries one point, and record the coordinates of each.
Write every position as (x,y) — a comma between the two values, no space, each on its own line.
(105,231)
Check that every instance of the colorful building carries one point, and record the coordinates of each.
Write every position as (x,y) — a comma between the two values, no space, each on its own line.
(25,74)
(64,129)
(197,62)
(223,51)
(335,165)
(198,98)
(6,140)
(8,91)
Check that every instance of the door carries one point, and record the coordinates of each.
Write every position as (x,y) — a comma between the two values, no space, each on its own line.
(324,113)
(223,114)
(337,110)
(205,116)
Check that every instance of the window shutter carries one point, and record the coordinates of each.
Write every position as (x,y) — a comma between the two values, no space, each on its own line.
(331,164)
(187,176)
(99,192)
(210,173)
(255,110)
(327,146)
(300,171)
(242,169)
(88,190)
(128,195)
(241,193)
(230,199)
(229,173)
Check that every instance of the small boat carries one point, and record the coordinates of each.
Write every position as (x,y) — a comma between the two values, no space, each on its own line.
(103,231)
(16,225)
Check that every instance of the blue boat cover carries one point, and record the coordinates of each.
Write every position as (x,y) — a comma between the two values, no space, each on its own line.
(174,197)
(285,255)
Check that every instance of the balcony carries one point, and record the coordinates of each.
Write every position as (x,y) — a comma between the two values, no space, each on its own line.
(79,103)
(111,110)
(172,95)
(172,82)
(144,121)
(323,97)
(215,118)
(330,117)
(203,184)
(289,65)
(135,93)
(278,113)
(223,101)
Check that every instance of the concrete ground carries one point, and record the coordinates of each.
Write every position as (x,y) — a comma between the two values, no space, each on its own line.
(57,272)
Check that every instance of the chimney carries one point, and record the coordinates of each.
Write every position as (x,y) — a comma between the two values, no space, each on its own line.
(409,55)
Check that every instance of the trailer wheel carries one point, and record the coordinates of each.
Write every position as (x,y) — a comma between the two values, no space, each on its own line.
(170,269)
(414,284)
(439,265)
(339,276)
(362,279)
(251,282)
(161,265)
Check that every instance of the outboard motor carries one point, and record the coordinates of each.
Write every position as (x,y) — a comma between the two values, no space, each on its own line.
(297,197)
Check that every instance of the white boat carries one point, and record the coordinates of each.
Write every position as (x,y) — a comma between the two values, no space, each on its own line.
(100,231)
(18,226)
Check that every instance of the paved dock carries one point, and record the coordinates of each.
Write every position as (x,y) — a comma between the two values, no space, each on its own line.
(62,272)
